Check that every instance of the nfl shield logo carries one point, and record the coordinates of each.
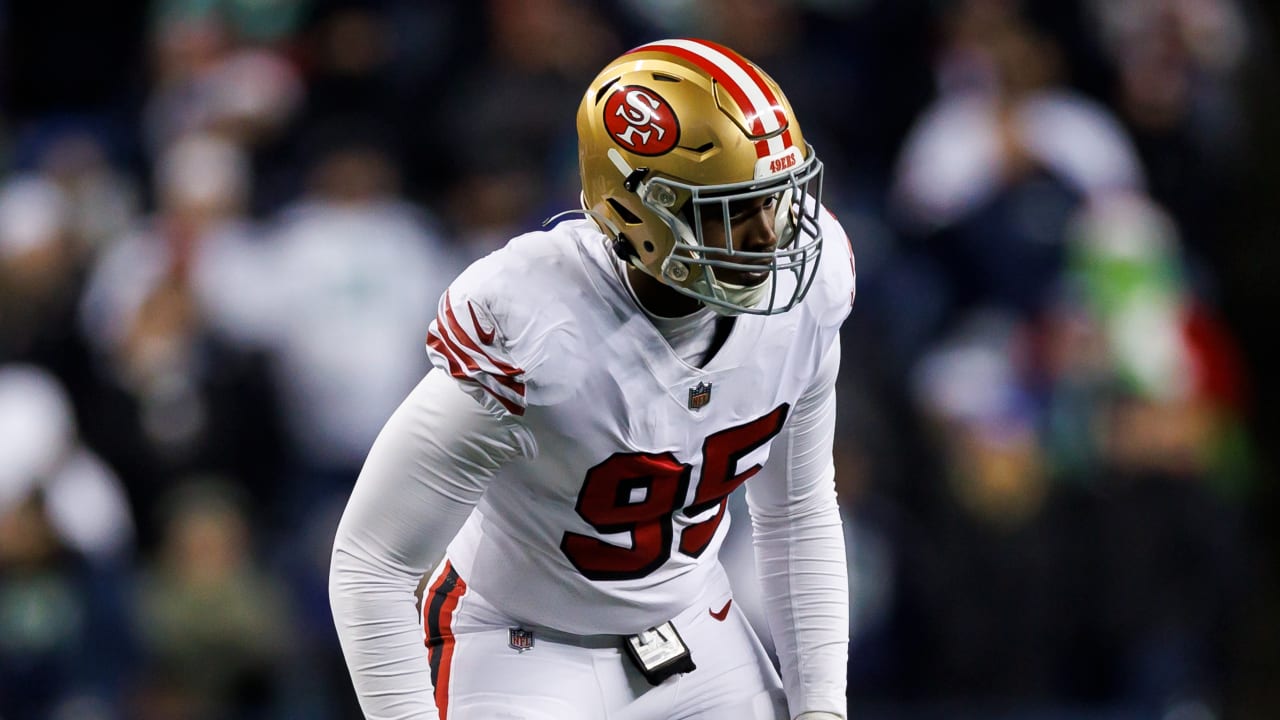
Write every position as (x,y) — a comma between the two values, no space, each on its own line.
(521,639)
(699,396)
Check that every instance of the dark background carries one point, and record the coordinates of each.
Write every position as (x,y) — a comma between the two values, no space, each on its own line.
(1038,530)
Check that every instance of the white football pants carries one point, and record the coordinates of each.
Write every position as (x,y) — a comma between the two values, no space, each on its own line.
(478,675)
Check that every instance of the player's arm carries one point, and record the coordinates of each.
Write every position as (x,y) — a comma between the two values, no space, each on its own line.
(424,474)
(800,554)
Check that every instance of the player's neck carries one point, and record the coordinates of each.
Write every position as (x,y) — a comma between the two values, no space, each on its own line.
(657,298)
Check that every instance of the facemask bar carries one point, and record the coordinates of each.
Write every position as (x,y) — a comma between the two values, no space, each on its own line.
(796,226)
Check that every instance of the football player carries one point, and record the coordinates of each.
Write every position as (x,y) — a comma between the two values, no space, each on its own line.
(600,388)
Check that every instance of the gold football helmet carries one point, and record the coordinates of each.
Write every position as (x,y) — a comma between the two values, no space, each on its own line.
(677,129)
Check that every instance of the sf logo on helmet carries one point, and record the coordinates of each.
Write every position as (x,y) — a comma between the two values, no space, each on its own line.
(641,121)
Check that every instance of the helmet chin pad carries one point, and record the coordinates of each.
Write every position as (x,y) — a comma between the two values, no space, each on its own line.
(737,296)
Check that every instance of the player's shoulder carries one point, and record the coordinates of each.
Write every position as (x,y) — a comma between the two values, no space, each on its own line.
(514,309)
(533,265)
(831,296)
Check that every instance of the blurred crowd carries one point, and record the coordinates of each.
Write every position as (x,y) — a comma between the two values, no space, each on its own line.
(225,224)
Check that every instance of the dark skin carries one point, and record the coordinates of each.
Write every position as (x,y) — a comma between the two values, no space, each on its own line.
(752,231)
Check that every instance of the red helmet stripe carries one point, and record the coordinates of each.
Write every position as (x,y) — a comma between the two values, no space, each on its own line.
(754,74)
(744,84)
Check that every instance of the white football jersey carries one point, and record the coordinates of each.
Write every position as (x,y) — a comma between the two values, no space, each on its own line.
(612,521)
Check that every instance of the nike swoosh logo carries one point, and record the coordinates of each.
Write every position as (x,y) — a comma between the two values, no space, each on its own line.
(485,337)
(723,612)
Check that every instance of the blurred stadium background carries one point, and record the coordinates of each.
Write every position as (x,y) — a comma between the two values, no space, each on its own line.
(224,225)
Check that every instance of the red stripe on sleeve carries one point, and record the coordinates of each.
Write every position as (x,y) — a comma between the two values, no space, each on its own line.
(435,342)
(455,369)
(507,381)
(470,343)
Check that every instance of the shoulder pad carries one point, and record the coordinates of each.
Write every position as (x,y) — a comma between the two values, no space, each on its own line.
(504,316)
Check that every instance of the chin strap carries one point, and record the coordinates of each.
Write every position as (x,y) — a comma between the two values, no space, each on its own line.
(747,296)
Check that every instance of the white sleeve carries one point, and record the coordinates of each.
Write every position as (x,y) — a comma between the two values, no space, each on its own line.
(424,475)
(800,555)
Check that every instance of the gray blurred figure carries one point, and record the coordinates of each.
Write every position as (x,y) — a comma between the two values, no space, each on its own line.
(1004,111)
(154,294)
(355,276)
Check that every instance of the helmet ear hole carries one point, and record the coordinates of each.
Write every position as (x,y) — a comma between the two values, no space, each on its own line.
(627,216)
(648,246)
(605,89)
